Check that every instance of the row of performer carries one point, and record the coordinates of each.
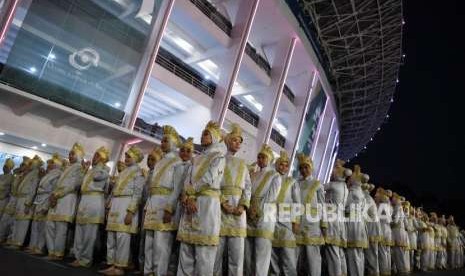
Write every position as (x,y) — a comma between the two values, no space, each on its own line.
(208,214)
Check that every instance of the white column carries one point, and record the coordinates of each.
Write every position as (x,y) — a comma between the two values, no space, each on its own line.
(146,65)
(318,130)
(279,72)
(295,130)
(9,13)
(322,163)
(333,159)
(239,37)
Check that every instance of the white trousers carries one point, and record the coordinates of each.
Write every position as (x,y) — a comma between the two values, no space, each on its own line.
(401,260)
(158,246)
(309,260)
(371,258)
(20,228)
(55,236)
(384,258)
(283,261)
(355,261)
(425,260)
(336,260)
(6,225)
(257,256)
(84,243)
(234,248)
(37,241)
(196,260)
(118,248)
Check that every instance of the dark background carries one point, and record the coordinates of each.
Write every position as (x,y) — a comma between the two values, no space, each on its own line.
(419,151)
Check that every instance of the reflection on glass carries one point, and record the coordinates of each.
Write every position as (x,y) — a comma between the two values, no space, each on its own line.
(85,56)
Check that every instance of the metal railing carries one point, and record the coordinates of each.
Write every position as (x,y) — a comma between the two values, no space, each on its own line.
(243,112)
(185,72)
(288,92)
(154,130)
(190,75)
(211,12)
(278,138)
(259,60)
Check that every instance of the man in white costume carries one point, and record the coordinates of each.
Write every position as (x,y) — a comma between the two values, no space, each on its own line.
(284,254)
(312,227)
(385,244)
(400,237)
(6,181)
(63,204)
(152,159)
(235,199)
(186,150)
(123,217)
(452,243)
(357,239)
(266,184)
(373,230)
(336,234)
(161,210)
(91,208)
(26,192)
(8,216)
(41,204)
(199,227)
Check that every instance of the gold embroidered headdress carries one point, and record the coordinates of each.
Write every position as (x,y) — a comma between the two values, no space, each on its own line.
(78,149)
(188,144)
(36,162)
(9,163)
(236,131)
(357,175)
(135,154)
(172,134)
(104,154)
(215,131)
(303,159)
(283,157)
(267,151)
(157,153)
(339,171)
(56,159)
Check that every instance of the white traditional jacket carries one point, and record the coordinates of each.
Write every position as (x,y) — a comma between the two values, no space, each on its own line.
(203,184)
(312,222)
(6,181)
(385,223)
(266,184)
(46,186)
(91,209)
(235,190)
(399,232)
(66,192)
(25,195)
(357,236)
(10,207)
(372,222)
(289,194)
(125,197)
(164,188)
(336,199)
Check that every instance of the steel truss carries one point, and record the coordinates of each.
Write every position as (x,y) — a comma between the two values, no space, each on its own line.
(362,42)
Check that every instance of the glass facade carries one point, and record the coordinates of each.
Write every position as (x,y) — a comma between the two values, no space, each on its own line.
(84,56)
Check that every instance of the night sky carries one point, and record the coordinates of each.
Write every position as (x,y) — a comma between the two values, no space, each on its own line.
(420,151)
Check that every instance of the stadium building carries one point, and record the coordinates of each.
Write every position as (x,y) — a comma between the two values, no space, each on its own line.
(311,76)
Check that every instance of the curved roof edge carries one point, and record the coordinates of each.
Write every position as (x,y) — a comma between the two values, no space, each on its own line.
(359,46)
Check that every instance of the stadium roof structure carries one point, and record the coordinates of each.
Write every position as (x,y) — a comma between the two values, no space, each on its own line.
(360,43)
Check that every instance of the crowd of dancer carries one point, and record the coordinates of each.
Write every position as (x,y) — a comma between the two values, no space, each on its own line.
(210,214)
